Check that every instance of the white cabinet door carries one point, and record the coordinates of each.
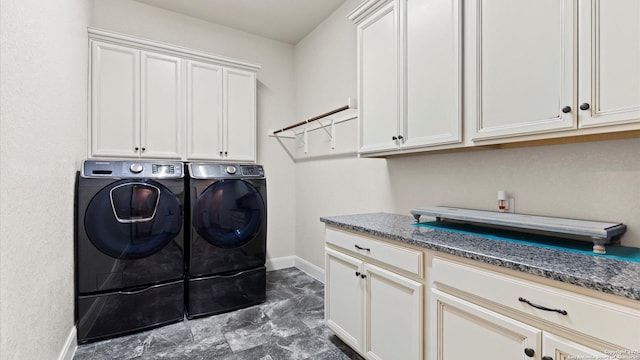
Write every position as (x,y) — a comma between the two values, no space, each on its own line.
(344,297)
(239,111)
(523,66)
(609,62)
(558,348)
(461,330)
(161,106)
(378,52)
(115,100)
(393,320)
(433,72)
(204,111)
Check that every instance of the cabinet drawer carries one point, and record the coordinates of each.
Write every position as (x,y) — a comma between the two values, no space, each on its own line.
(399,257)
(590,316)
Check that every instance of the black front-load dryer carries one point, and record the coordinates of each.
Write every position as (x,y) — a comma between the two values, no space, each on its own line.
(129,247)
(228,238)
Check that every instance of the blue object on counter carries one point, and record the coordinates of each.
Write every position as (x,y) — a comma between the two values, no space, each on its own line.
(614,252)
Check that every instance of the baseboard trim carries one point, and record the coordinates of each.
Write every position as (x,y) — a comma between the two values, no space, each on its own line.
(280,263)
(312,270)
(298,262)
(70,346)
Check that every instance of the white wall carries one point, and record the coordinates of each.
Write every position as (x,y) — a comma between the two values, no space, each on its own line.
(275,90)
(331,182)
(597,180)
(43,102)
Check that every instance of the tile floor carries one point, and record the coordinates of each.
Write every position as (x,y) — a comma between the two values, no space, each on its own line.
(288,325)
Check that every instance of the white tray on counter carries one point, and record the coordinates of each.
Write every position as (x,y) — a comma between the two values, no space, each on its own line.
(599,232)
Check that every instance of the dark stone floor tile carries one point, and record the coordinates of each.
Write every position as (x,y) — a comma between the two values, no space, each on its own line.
(259,334)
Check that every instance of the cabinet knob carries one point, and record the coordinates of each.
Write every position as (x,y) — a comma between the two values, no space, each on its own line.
(394,138)
(136,148)
(547,358)
(566,109)
(363,276)
(143,149)
(400,137)
(584,106)
(357,273)
(529,352)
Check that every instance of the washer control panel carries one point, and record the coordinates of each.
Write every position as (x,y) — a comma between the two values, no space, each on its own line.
(132,169)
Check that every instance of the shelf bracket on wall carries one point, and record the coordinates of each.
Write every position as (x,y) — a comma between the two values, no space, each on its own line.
(328,119)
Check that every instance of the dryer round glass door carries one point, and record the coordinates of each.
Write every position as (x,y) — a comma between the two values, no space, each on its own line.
(228,213)
(133,219)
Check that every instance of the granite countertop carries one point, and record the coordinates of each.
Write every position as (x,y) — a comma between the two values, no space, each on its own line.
(595,272)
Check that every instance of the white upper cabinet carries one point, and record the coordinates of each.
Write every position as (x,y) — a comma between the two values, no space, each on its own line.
(136,103)
(433,72)
(161,106)
(609,62)
(221,113)
(540,67)
(409,74)
(239,115)
(204,111)
(522,68)
(152,100)
(115,100)
(378,56)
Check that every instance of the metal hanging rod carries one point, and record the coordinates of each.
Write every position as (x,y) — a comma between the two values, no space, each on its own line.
(315,118)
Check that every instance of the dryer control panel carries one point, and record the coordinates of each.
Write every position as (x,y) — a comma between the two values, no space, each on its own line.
(225,171)
(120,169)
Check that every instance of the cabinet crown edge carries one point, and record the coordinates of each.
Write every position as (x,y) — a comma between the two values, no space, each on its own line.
(365,9)
(145,44)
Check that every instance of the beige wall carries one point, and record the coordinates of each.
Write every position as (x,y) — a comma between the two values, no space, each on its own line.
(275,90)
(598,180)
(43,102)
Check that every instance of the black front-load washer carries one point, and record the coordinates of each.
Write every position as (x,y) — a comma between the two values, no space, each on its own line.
(129,247)
(227,247)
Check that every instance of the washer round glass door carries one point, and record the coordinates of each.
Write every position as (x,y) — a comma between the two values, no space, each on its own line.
(228,213)
(133,219)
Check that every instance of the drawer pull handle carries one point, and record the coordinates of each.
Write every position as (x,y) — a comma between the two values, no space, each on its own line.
(521,299)
(362,248)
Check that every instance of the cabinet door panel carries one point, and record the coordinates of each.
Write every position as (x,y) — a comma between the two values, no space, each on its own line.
(433,78)
(609,58)
(461,330)
(115,100)
(562,349)
(378,64)
(344,297)
(204,111)
(240,115)
(393,319)
(524,72)
(161,113)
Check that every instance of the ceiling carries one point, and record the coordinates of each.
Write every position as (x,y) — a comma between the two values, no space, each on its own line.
(284,20)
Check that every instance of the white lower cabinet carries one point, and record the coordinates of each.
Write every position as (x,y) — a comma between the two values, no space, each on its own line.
(376,311)
(466,331)
(496,316)
(489,335)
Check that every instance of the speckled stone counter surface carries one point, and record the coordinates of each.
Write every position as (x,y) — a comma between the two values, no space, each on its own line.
(607,275)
